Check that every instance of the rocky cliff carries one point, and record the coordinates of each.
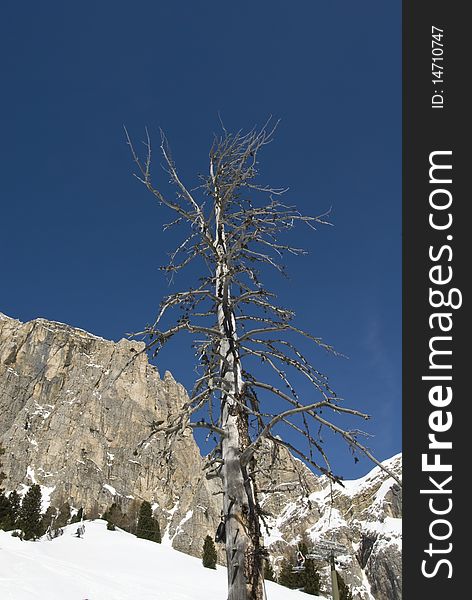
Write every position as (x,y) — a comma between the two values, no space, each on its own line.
(77,412)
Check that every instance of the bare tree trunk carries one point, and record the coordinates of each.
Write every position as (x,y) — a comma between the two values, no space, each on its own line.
(242,525)
(235,256)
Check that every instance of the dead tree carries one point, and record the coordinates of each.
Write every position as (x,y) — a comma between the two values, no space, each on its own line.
(234,226)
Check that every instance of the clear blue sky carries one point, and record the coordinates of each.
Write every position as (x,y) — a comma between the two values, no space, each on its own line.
(81,240)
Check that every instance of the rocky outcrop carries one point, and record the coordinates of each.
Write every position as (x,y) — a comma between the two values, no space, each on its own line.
(77,412)
(77,416)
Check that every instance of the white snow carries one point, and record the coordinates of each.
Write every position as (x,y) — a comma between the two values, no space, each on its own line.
(179,528)
(43,411)
(166,539)
(390,529)
(46,497)
(58,325)
(30,474)
(46,491)
(355,486)
(110,565)
(45,473)
(333,523)
(171,512)
(110,489)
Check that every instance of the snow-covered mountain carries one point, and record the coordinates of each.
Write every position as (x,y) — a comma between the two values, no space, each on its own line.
(364,516)
(77,414)
(109,565)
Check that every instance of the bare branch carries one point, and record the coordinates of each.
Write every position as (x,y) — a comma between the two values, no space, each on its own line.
(236,239)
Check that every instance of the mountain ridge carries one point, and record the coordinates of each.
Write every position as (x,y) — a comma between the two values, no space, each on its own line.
(65,395)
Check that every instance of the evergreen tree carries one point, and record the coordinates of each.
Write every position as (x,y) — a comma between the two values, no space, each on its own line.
(115,516)
(29,520)
(307,579)
(344,590)
(311,578)
(4,511)
(209,553)
(4,500)
(130,518)
(148,527)
(269,573)
(63,517)
(288,578)
(2,474)
(47,519)
(8,504)
(15,504)
(9,508)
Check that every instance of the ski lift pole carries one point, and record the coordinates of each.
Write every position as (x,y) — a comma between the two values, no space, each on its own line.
(327,550)
(334,578)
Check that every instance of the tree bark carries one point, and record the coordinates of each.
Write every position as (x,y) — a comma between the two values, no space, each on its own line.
(244,559)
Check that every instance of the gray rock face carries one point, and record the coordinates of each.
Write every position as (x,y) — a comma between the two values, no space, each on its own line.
(77,413)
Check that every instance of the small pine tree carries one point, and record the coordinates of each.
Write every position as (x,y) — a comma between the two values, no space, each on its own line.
(4,501)
(47,519)
(9,509)
(4,511)
(269,573)
(29,520)
(115,515)
(308,579)
(130,518)
(63,518)
(209,555)
(2,474)
(344,590)
(311,578)
(288,578)
(15,505)
(148,527)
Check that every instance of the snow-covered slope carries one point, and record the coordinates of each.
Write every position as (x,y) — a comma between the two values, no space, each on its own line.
(109,565)
(75,411)
(364,515)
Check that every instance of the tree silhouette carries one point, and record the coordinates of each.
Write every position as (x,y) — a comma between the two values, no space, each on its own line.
(209,555)
(148,527)
(29,518)
(269,573)
(234,226)
(5,508)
